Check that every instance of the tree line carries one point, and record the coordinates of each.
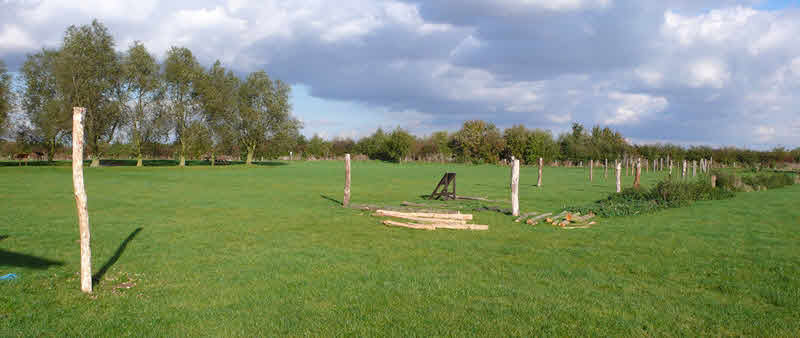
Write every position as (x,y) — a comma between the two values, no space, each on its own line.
(138,107)
(482,142)
(130,97)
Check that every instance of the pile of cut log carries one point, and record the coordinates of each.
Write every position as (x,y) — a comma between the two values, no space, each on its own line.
(430,221)
(564,219)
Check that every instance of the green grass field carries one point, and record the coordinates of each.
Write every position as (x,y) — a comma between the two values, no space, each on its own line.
(266,250)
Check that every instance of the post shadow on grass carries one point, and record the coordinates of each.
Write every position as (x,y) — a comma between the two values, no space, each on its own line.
(8,258)
(331,199)
(117,254)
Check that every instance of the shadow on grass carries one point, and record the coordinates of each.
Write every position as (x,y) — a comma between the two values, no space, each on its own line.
(331,199)
(2,237)
(8,258)
(35,163)
(100,273)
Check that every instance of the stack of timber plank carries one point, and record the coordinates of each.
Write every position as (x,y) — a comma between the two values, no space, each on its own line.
(430,221)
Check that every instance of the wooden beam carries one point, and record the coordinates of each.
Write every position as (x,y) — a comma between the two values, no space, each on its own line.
(466,217)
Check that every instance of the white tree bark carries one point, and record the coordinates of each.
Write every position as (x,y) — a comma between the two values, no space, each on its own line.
(346,200)
(515,189)
(541,164)
(80,198)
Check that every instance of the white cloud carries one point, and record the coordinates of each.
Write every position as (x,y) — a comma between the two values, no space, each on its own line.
(632,108)
(718,26)
(12,37)
(764,133)
(708,73)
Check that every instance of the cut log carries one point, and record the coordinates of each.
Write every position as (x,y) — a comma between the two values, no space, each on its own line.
(525,215)
(412,226)
(466,217)
(425,219)
(537,218)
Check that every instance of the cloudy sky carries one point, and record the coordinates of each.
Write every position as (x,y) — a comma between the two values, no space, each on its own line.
(682,71)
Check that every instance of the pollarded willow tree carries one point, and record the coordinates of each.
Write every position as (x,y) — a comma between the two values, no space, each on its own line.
(43,101)
(140,87)
(218,94)
(6,96)
(182,73)
(86,70)
(264,111)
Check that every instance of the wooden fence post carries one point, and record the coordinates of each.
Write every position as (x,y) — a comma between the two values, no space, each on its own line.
(346,200)
(515,189)
(619,174)
(591,170)
(638,169)
(541,163)
(80,198)
(713,181)
(694,168)
(605,169)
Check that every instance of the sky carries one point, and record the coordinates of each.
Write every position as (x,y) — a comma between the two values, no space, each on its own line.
(680,71)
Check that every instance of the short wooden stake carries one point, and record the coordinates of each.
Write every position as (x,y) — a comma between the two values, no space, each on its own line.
(515,189)
(541,164)
(80,198)
(713,181)
(346,200)
(619,174)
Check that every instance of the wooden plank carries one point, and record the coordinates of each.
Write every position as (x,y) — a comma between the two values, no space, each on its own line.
(426,219)
(466,217)
(412,226)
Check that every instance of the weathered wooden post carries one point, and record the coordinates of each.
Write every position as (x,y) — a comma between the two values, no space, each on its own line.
(591,170)
(713,181)
(694,168)
(80,198)
(638,169)
(605,169)
(670,168)
(515,189)
(541,164)
(619,175)
(346,200)
(683,169)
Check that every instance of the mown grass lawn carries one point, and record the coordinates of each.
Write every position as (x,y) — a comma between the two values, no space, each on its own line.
(240,251)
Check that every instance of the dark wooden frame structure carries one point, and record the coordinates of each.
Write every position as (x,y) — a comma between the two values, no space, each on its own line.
(444,183)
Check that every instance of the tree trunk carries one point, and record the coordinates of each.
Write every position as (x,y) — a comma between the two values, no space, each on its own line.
(346,200)
(250,152)
(638,178)
(605,169)
(139,159)
(95,161)
(213,158)
(52,151)
(515,189)
(541,163)
(80,199)
(591,170)
(182,162)
(619,175)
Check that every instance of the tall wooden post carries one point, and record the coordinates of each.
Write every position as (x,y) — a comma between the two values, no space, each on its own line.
(515,189)
(638,178)
(713,181)
(541,164)
(619,175)
(670,168)
(591,170)
(605,169)
(80,198)
(694,168)
(346,200)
